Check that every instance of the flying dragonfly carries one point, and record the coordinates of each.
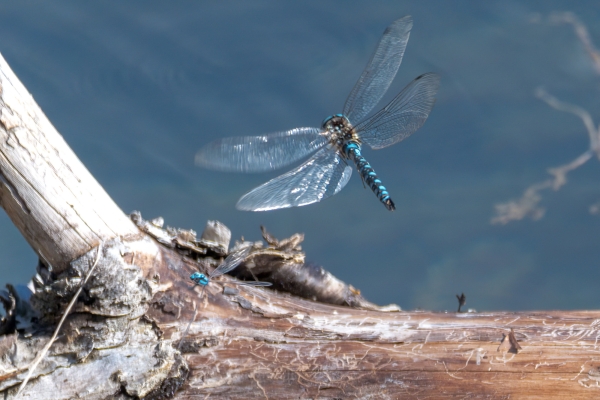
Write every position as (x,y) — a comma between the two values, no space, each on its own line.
(230,263)
(339,139)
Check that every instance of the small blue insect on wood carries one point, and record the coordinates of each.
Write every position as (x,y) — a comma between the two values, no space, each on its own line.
(338,140)
(230,263)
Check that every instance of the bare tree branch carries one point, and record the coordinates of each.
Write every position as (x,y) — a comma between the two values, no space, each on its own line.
(582,33)
(528,204)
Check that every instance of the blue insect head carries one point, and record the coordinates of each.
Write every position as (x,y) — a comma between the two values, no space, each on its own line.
(340,130)
(199,279)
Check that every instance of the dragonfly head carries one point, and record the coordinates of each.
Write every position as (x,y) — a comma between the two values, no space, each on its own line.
(199,279)
(338,127)
(333,120)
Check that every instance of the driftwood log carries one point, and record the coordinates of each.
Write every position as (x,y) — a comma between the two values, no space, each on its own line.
(122,339)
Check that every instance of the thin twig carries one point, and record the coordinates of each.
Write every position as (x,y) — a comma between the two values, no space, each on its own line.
(581,32)
(528,204)
(41,355)
(586,118)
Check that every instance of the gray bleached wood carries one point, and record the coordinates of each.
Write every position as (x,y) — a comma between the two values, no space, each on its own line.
(54,201)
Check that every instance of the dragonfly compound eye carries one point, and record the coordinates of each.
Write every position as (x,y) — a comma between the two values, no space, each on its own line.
(199,279)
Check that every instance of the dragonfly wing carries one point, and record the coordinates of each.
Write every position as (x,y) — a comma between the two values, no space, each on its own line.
(405,114)
(380,71)
(254,283)
(183,336)
(260,153)
(231,262)
(320,177)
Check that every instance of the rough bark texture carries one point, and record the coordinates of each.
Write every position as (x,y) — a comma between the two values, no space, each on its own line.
(121,339)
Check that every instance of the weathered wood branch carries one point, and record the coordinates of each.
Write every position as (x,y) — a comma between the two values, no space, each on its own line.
(54,201)
(121,339)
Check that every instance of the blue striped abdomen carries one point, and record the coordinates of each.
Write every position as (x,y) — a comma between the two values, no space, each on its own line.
(352,151)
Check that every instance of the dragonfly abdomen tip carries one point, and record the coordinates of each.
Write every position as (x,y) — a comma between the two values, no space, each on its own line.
(389,204)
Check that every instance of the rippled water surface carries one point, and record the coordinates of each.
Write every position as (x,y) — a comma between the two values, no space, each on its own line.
(137,87)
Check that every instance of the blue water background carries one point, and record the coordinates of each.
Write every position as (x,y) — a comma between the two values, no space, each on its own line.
(137,87)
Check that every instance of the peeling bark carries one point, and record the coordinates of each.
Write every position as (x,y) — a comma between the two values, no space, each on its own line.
(120,341)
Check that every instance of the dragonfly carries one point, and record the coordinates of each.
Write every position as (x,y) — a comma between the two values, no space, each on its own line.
(339,139)
(230,263)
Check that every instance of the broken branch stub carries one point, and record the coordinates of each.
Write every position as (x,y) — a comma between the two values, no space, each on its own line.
(281,263)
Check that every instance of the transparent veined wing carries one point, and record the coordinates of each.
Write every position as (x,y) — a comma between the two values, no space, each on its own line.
(253,283)
(260,153)
(380,71)
(322,176)
(405,114)
(231,262)
(187,328)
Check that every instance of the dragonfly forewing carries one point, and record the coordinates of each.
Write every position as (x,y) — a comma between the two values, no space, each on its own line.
(402,117)
(322,176)
(260,153)
(231,262)
(380,71)
(253,283)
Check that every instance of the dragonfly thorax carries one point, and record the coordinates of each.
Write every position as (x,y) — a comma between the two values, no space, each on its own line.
(340,130)
(199,279)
